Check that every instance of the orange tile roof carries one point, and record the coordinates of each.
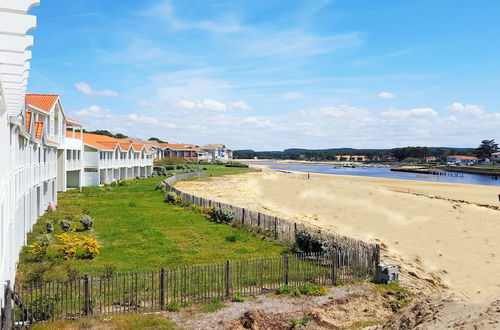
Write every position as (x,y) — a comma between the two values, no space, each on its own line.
(178,146)
(105,142)
(42,101)
(38,129)
(28,121)
(465,157)
(137,147)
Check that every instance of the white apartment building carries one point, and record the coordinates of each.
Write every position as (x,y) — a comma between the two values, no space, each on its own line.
(48,108)
(107,159)
(27,156)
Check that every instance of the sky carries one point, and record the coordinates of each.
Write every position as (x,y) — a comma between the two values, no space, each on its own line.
(275,74)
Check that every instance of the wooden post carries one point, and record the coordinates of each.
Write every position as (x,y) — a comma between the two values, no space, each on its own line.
(334,267)
(286,259)
(86,292)
(162,288)
(7,320)
(228,279)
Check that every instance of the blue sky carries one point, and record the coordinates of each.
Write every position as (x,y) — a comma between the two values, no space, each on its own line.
(275,74)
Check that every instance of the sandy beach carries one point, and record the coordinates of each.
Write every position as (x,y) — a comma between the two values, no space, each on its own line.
(419,224)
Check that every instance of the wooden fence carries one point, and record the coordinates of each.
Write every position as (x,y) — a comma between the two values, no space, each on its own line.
(164,289)
(284,230)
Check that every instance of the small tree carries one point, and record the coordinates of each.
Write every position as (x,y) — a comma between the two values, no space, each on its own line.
(485,149)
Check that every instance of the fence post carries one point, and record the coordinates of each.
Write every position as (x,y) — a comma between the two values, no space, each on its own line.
(286,267)
(162,288)
(228,279)
(7,320)
(334,267)
(86,292)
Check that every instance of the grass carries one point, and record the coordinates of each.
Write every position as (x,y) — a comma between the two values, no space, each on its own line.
(139,231)
(212,306)
(391,287)
(217,170)
(363,324)
(125,322)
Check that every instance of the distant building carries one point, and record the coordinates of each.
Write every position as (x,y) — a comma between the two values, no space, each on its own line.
(154,145)
(495,157)
(217,152)
(351,158)
(107,159)
(186,151)
(462,160)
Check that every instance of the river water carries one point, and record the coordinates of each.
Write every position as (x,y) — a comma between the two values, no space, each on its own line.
(384,172)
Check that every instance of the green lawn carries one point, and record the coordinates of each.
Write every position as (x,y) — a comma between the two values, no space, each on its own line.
(216,170)
(139,231)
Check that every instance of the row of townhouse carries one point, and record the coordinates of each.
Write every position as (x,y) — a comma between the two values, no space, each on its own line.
(42,150)
(208,152)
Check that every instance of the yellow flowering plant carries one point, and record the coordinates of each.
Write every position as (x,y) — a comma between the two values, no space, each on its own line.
(39,249)
(73,243)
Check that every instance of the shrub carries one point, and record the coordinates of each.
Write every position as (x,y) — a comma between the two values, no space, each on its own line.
(286,289)
(313,242)
(49,227)
(42,307)
(220,215)
(238,298)
(72,273)
(108,271)
(299,322)
(178,199)
(232,238)
(170,197)
(73,243)
(90,246)
(37,273)
(65,225)
(236,164)
(161,185)
(39,250)
(86,221)
(173,306)
(306,289)
(312,290)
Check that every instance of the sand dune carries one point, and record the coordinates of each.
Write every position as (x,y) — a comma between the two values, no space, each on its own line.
(457,242)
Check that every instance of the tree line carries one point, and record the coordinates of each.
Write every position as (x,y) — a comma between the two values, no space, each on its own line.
(484,151)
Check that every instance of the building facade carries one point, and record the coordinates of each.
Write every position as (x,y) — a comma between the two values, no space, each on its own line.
(186,151)
(107,159)
(462,160)
(27,156)
(217,152)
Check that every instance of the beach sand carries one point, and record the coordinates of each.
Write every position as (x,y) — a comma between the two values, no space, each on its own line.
(455,243)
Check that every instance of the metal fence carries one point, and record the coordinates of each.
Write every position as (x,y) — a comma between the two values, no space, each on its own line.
(167,289)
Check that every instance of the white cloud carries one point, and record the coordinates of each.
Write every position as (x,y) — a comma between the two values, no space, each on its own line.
(241,105)
(166,12)
(93,111)
(204,105)
(258,122)
(292,95)
(87,90)
(417,113)
(209,120)
(466,109)
(386,95)
(142,119)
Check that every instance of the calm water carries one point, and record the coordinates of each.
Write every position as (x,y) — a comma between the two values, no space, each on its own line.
(383,172)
